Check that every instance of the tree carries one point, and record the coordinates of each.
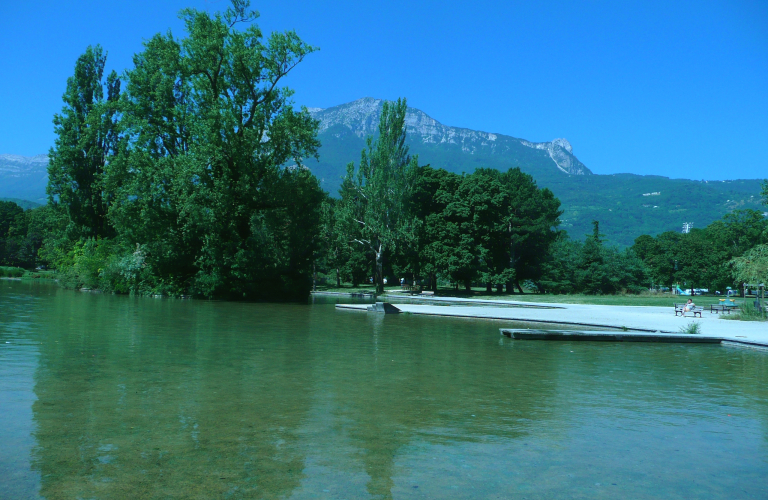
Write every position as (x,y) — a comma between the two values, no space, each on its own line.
(752,267)
(203,182)
(764,192)
(380,186)
(534,215)
(13,227)
(86,136)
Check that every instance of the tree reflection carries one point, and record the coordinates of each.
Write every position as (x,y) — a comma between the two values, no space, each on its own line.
(167,399)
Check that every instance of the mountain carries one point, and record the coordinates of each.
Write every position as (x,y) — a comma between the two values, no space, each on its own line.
(25,204)
(343,130)
(626,205)
(24,177)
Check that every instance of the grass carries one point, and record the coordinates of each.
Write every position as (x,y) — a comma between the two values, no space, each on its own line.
(348,289)
(748,313)
(39,274)
(691,328)
(17,272)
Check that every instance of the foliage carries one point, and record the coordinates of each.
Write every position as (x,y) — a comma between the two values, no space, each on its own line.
(86,135)
(182,183)
(11,272)
(700,259)
(25,204)
(764,192)
(592,267)
(489,227)
(692,328)
(376,192)
(752,266)
(22,233)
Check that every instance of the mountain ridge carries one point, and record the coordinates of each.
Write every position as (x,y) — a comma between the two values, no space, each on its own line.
(362,117)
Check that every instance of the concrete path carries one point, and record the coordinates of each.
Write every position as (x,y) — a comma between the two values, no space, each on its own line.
(633,318)
(458,300)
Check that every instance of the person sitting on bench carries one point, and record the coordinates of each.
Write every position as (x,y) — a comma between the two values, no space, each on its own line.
(688,306)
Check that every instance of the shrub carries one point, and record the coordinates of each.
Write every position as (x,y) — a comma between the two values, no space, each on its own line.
(691,328)
(11,272)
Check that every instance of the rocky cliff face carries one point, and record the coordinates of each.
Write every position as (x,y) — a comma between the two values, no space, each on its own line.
(362,118)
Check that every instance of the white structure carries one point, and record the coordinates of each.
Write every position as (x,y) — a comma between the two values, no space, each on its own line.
(687,226)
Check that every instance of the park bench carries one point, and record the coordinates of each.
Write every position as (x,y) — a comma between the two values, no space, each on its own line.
(413,289)
(722,308)
(679,310)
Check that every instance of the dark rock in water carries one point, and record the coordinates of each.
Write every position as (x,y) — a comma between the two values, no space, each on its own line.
(383,307)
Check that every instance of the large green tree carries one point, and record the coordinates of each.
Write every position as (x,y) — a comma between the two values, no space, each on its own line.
(86,136)
(433,190)
(211,181)
(532,221)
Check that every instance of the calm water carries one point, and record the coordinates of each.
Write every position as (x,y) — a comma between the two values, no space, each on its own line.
(118,397)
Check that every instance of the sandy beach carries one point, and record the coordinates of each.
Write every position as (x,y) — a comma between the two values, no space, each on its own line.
(633,318)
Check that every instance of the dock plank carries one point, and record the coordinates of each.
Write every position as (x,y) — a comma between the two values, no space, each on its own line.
(606,336)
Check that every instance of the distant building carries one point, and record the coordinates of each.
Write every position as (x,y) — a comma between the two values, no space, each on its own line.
(655,193)
(687,226)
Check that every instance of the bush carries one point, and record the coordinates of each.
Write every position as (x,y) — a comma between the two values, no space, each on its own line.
(691,328)
(11,272)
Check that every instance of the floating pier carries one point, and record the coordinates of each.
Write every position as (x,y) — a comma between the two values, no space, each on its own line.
(606,336)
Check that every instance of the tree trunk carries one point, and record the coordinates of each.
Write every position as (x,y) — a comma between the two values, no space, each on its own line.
(314,277)
(488,287)
(519,287)
(468,285)
(510,288)
(499,288)
(338,278)
(379,272)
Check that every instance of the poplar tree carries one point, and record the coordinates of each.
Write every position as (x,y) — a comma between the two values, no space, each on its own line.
(378,190)
(86,137)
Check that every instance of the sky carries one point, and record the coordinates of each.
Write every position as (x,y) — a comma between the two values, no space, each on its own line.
(678,89)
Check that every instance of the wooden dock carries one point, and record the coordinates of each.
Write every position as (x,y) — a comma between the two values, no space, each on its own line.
(607,336)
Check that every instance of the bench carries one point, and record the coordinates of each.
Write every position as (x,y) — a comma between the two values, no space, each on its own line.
(413,289)
(722,308)
(679,310)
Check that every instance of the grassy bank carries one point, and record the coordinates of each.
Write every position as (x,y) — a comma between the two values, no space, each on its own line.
(17,272)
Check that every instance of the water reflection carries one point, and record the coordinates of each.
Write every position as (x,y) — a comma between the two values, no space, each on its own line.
(162,398)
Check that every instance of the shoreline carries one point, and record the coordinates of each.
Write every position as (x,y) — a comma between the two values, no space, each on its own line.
(641,319)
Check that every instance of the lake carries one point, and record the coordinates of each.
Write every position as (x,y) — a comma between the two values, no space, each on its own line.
(106,396)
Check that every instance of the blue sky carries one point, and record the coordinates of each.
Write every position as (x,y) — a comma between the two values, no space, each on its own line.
(669,88)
